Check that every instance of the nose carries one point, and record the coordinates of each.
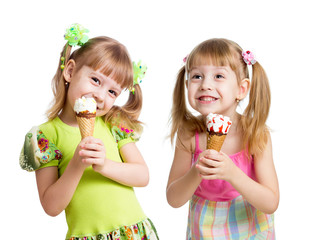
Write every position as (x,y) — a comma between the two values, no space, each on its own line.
(99,95)
(206,84)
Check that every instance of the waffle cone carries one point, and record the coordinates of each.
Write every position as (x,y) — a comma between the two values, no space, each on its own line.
(86,126)
(215,141)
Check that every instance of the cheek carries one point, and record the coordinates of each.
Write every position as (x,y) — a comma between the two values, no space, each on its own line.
(191,99)
(228,91)
(72,94)
(190,96)
(109,102)
(191,91)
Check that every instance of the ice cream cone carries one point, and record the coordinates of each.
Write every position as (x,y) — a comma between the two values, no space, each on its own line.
(85,109)
(86,126)
(217,129)
(215,141)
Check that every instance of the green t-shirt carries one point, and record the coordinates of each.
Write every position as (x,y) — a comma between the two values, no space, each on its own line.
(99,204)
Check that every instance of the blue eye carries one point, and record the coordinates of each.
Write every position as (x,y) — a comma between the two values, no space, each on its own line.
(219,76)
(196,76)
(96,80)
(113,92)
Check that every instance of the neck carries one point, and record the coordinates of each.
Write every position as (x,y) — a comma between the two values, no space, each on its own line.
(235,123)
(68,118)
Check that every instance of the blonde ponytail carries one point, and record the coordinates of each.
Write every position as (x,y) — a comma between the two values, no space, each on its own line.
(129,113)
(181,117)
(58,85)
(253,121)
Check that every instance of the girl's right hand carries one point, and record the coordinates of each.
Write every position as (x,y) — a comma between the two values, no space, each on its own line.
(206,165)
(215,165)
(199,165)
(77,159)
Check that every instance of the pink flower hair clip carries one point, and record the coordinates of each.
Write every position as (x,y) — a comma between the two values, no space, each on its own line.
(185,59)
(248,57)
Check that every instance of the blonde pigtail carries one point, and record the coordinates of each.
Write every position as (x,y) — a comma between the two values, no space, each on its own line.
(178,111)
(133,105)
(180,115)
(256,113)
(59,86)
(129,113)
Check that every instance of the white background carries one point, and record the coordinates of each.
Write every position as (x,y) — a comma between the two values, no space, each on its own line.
(282,34)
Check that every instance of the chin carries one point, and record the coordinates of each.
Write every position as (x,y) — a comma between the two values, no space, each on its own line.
(207,112)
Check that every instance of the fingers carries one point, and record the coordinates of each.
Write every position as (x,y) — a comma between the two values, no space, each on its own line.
(92,151)
(92,158)
(211,154)
(92,144)
(91,140)
(93,147)
(91,154)
(204,170)
(214,165)
(207,167)
(209,164)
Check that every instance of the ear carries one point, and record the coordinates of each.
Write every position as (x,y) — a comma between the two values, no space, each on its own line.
(244,88)
(69,70)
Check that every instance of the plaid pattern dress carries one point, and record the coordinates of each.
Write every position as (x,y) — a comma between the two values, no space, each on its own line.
(217,211)
(236,219)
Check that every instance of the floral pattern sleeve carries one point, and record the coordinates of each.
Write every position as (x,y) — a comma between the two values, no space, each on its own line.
(122,134)
(37,150)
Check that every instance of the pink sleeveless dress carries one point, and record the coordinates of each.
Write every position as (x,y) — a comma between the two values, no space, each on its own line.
(218,211)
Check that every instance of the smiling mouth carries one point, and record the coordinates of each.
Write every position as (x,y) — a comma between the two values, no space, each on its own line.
(207,99)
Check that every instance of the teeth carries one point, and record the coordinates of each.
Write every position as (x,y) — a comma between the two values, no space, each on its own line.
(207,99)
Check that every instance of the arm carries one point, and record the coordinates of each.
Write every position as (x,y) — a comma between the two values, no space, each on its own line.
(56,193)
(132,172)
(263,194)
(184,178)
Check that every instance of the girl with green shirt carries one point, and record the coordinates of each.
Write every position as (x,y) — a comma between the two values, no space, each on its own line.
(92,179)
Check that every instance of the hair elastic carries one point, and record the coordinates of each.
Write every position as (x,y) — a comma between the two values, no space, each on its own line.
(185,59)
(139,74)
(248,57)
(75,36)
(184,64)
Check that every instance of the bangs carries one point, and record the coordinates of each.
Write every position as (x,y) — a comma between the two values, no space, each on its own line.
(110,58)
(215,52)
(118,69)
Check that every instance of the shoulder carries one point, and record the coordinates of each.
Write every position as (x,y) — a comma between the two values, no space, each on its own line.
(49,128)
(38,149)
(266,153)
(120,130)
(185,140)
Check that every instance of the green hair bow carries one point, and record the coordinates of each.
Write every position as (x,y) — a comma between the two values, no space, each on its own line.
(139,74)
(75,35)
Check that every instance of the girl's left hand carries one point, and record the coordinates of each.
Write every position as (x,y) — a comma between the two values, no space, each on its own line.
(93,152)
(216,165)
